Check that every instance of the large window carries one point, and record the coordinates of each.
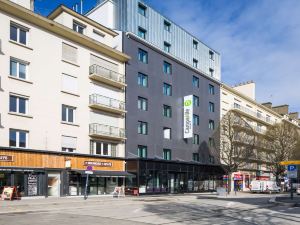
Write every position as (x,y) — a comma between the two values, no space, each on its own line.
(142,151)
(211,124)
(167,133)
(142,33)
(196,120)
(18,33)
(18,104)
(79,28)
(68,114)
(167,89)
(211,89)
(142,104)
(167,68)
(196,81)
(143,56)
(142,127)
(167,154)
(196,139)
(18,69)
(103,148)
(211,107)
(196,100)
(167,26)
(142,9)
(167,47)
(196,157)
(142,80)
(18,138)
(167,111)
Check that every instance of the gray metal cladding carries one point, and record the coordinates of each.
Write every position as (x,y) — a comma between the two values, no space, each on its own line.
(128,19)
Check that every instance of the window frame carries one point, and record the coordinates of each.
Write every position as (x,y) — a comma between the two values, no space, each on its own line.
(196,139)
(195,44)
(167,47)
(211,72)
(142,9)
(142,100)
(67,108)
(167,154)
(17,106)
(211,124)
(170,133)
(78,25)
(211,89)
(167,89)
(142,77)
(167,68)
(195,78)
(197,121)
(196,157)
(140,127)
(17,132)
(18,63)
(196,101)
(211,55)
(142,31)
(19,28)
(142,149)
(211,107)
(195,63)
(166,109)
(143,56)
(167,26)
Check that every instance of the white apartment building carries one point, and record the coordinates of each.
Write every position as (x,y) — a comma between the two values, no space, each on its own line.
(241,99)
(62,90)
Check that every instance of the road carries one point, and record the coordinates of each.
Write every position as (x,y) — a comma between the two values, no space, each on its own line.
(172,210)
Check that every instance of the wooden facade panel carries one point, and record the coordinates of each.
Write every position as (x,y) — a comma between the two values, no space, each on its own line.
(53,161)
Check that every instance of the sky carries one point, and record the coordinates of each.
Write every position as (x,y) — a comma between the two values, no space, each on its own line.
(258,40)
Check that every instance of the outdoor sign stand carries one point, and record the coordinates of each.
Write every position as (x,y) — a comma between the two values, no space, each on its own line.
(292,173)
(89,170)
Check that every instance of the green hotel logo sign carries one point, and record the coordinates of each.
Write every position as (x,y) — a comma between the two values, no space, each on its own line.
(187,102)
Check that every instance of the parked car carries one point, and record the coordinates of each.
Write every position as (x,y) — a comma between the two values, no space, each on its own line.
(298,191)
(261,186)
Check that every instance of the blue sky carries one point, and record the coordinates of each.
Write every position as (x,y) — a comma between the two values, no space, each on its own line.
(258,40)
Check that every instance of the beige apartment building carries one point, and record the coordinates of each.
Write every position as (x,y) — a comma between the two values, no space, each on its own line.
(62,95)
(241,99)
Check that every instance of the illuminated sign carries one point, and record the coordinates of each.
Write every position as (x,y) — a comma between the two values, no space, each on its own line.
(188,116)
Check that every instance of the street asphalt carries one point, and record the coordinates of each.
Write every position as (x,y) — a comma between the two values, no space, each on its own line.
(243,208)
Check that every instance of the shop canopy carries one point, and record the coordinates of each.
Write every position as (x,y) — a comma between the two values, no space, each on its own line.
(104,173)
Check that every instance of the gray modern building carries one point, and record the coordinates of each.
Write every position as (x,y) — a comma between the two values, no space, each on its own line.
(172,100)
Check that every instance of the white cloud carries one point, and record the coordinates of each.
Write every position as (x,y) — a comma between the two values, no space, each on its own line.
(258,40)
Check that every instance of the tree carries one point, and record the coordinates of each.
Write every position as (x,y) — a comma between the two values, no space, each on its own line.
(235,139)
(283,139)
(296,153)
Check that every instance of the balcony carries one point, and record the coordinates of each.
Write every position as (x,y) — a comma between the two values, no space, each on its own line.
(107,132)
(107,104)
(252,114)
(107,76)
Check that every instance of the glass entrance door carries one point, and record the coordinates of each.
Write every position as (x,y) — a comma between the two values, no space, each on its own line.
(54,184)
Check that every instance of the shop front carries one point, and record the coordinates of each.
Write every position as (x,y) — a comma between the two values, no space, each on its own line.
(160,176)
(44,173)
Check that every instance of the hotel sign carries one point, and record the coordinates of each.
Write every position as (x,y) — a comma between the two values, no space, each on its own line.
(188,116)
(6,158)
(98,164)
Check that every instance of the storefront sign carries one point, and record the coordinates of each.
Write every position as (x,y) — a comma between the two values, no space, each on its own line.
(238,177)
(188,116)
(9,193)
(98,164)
(32,184)
(6,158)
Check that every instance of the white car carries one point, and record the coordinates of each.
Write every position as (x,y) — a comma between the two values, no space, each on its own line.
(298,191)
(261,186)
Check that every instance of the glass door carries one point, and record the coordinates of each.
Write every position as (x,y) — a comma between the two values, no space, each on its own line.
(54,184)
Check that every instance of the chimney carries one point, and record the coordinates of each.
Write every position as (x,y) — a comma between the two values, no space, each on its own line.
(268,105)
(294,115)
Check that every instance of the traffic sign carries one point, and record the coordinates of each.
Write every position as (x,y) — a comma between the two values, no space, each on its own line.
(89,172)
(292,168)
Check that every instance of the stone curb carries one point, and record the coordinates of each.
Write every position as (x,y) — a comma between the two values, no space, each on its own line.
(290,204)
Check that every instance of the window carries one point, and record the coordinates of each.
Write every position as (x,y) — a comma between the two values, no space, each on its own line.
(69,53)
(79,28)
(103,148)
(196,81)
(195,44)
(142,151)
(142,104)
(142,9)
(167,47)
(167,26)
(211,72)
(143,56)
(68,144)
(69,84)
(167,68)
(142,127)
(142,33)
(18,138)
(196,100)
(167,133)
(211,55)
(18,33)
(211,89)
(167,154)
(68,114)
(196,140)
(211,159)
(18,69)
(211,142)
(196,120)
(259,114)
(195,63)
(142,80)
(18,104)
(167,89)
(211,107)
(167,111)
(196,157)
(211,124)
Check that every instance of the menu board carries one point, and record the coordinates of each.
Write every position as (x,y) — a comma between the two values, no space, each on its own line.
(32,184)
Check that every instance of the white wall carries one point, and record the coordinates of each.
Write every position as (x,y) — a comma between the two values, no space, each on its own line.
(25,3)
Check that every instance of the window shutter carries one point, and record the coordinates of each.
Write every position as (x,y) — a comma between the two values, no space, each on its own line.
(69,84)
(69,53)
(69,142)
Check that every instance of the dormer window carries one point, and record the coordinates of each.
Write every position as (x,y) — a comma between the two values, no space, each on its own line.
(79,28)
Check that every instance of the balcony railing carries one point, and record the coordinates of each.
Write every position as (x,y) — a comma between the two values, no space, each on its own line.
(100,101)
(101,130)
(253,113)
(106,75)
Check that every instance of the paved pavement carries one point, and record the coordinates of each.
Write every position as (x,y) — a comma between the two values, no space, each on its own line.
(173,209)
